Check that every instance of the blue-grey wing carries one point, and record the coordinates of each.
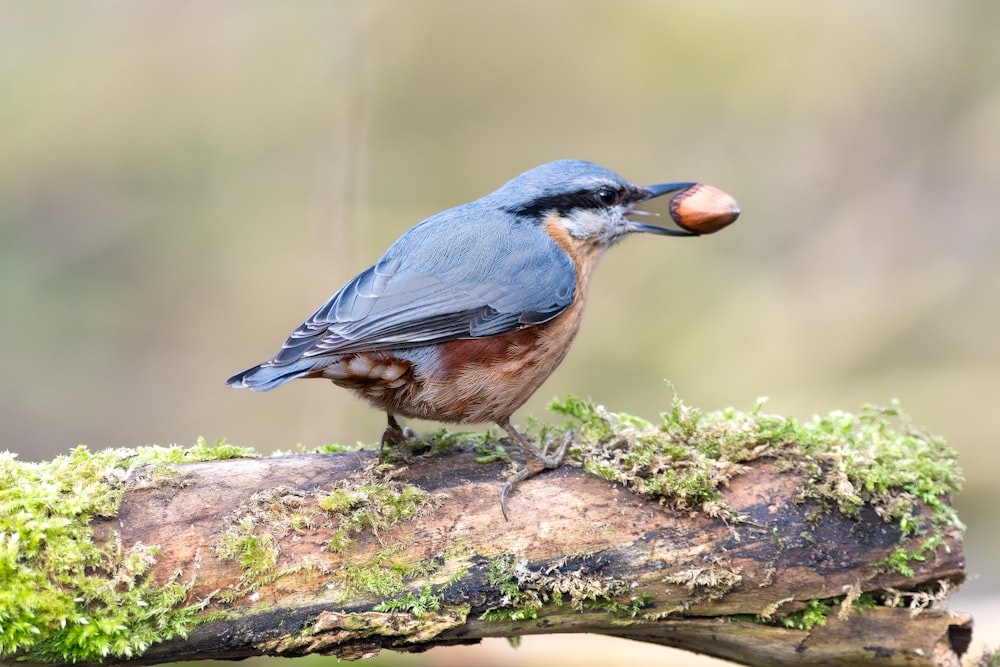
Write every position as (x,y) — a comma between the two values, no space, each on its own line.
(460,274)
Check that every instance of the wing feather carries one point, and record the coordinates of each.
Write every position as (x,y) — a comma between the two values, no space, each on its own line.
(463,273)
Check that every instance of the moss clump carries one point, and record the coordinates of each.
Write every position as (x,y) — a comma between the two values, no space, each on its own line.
(685,460)
(879,458)
(814,613)
(440,442)
(524,589)
(366,501)
(515,604)
(876,457)
(901,559)
(251,532)
(220,450)
(256,554)
(383,576)
(417,605)
(372,500)
(379,576)
(711,582)
(65,597)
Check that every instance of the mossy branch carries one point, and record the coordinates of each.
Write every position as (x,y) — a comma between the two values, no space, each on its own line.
(742,535)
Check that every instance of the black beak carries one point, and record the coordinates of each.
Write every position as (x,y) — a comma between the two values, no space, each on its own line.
(653,191)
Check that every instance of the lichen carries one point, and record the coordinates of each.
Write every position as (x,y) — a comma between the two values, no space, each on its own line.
(353,635)
(66,597)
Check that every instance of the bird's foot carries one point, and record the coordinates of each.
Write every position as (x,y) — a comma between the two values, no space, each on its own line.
(394,434)
(565,441)
(534,463)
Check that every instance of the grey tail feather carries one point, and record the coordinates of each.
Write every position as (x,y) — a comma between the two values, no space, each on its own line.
(266,378)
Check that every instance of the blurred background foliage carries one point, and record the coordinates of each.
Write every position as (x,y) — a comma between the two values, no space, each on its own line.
(181,183)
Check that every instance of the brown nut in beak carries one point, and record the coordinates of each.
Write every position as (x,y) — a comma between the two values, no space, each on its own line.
(703,209)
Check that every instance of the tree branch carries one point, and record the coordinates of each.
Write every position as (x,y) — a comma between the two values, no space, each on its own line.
(332,553)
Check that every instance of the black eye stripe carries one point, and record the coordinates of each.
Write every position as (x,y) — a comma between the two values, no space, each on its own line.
(565,202)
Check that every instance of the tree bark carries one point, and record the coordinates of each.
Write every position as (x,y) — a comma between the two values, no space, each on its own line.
(334,554)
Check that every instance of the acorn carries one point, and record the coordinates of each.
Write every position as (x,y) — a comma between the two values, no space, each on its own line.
(703,209)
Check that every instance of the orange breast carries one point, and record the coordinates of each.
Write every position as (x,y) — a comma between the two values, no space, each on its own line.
(479,380)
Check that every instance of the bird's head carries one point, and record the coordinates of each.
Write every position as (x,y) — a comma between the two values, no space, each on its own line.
(589,202)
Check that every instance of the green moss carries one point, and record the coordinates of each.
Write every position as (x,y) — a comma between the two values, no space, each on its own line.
(685,460)
(417,605)
(376,577)
(366,501)
(524,590)
(252,531)
(440,442)
(430,597)
(490,452)
(65,597)
(382,576)
(500,574)
(515,604)
(901,560)
(256,554)
(876,457)
(370,501)
(220,450)
(333,448)
(632,608)
(814,613)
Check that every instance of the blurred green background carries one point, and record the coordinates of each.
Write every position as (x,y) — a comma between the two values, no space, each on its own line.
(181,183)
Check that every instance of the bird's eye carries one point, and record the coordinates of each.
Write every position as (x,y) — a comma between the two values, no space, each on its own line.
(607,196)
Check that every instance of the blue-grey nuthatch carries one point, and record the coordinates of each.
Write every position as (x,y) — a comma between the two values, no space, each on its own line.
(468,313)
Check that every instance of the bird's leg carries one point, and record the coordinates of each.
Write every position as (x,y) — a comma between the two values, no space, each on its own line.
(534,462)
(394,434)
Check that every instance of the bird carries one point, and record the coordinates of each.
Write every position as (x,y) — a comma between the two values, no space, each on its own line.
(469,311)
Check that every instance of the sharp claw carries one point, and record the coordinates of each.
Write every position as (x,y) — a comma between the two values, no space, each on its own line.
(521,475)
(503,499)
(534,463)
(381,445)
(394,434)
